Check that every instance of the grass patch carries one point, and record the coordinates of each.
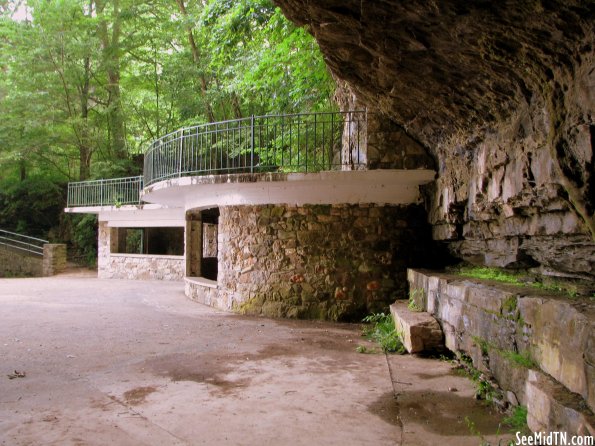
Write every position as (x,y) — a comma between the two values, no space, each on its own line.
(517,420)
(522,359)
(509,305)
(519,278)
(380,328)
(490,274)
(482,344)
(415,295)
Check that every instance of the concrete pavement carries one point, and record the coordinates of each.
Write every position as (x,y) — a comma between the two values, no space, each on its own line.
(136,363)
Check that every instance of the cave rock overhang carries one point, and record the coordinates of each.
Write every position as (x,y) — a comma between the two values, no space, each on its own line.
(440,68)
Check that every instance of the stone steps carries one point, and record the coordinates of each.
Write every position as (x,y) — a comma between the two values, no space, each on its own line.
(539,347)
(420,332)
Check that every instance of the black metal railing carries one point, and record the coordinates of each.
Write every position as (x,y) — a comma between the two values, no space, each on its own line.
(22,242)
(112,192)
(301,142)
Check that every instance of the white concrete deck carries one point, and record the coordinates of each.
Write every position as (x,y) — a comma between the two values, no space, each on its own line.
(332,187)
(129,216)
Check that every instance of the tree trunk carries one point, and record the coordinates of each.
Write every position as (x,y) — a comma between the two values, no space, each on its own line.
(22,170)
(85,149)
(111,56)
(235,103)
(196,60)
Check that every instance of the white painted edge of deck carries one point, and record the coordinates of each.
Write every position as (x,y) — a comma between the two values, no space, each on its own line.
(332,187)
(167,201)
(148,215)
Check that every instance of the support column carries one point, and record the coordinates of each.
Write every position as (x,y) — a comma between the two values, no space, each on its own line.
(54,259)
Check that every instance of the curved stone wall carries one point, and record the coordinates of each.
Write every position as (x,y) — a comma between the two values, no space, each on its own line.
(335,262)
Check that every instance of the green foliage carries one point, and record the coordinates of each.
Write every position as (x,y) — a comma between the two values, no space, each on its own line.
(86,86)
(84,238)
(483,387)
(517,420)
(381,329)
(32,206)
(415,295)
(482,344)
(519,279)
(256,53)
(250,60)
(522,359)
(134,241)
(490,274)
(509,305)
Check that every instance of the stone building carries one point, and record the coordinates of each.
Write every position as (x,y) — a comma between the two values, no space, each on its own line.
(293,241)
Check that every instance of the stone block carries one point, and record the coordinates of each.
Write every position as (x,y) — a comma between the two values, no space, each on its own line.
(551,407)
(563,340)
(419,330)
(54,258)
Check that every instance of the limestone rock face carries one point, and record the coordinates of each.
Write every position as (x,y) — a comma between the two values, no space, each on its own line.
(500,94)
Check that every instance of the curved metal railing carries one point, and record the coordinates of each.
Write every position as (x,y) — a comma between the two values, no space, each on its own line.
(301,142)
(22,242)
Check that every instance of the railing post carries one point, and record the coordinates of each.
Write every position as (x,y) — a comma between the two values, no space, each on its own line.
(101,192)
(252,144)
(180,153)
(140,188)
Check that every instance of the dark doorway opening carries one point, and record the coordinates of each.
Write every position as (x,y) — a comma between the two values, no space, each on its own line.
(210,247)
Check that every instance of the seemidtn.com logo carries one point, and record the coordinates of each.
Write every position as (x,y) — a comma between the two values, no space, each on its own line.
(554,439)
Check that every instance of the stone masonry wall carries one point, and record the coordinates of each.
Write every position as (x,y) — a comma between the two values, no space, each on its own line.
(14,263)
(135,266)
(54,258)
(539,347)
(334,262)
(143,267)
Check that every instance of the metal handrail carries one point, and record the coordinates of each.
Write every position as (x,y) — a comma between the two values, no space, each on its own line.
(299,142)
(110,192)
(22,242)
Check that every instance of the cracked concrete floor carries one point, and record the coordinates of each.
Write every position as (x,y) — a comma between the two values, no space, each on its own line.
(136,363)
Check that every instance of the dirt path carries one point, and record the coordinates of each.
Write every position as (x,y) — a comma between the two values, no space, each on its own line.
(136,363)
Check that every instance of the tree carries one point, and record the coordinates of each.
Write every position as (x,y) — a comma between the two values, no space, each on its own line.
(48,86)
(109,31)
(86,85)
